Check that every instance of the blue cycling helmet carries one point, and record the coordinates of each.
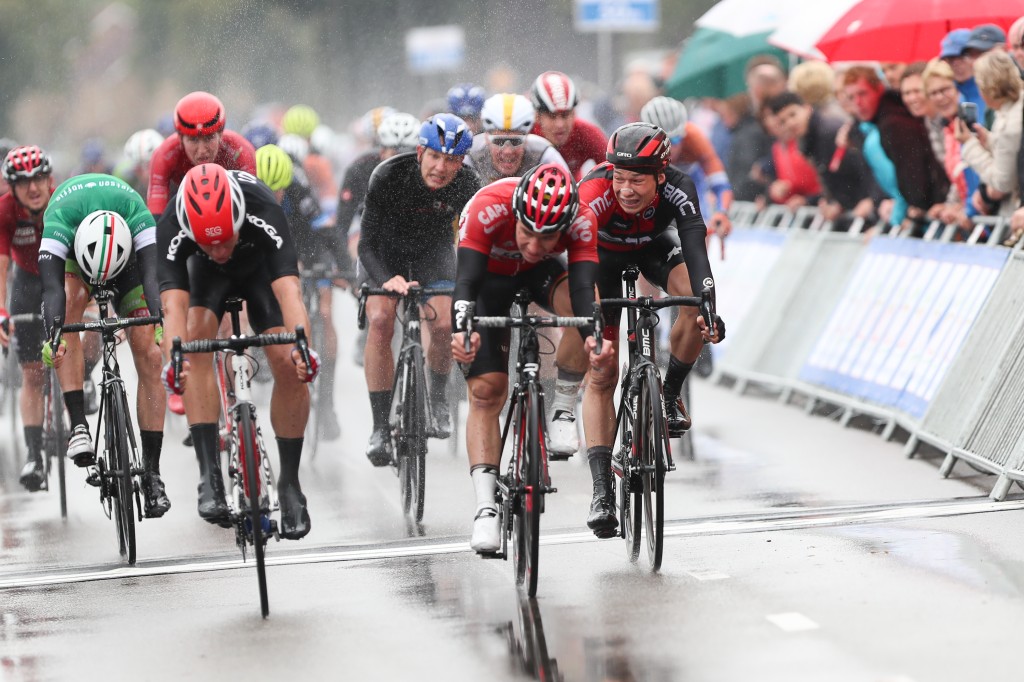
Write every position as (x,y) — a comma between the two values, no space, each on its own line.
(446,133)
(260,135)
(466,99)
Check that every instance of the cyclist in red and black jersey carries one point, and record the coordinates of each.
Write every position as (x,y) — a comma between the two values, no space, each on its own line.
(580,142)
(29,173)
(648,215)
(513,233)
(201,138)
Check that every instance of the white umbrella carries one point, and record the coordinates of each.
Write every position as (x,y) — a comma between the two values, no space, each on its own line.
(799,33)
(748,17)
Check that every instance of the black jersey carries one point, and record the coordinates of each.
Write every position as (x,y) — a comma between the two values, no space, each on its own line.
(264,245)
(354,186)
(404,220)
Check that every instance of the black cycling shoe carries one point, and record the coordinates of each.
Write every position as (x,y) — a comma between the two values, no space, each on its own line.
(295,522)
(677,416)
(379,449)
(32,474)
(213,508)
(187,442)
(440,421)
(602,508)
(156,502)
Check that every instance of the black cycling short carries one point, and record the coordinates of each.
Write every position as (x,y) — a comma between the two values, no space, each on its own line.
(209,287)
(27,298)
(435,266)
(656,261)
(495,299)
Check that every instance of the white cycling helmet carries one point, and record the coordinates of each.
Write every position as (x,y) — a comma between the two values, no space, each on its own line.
(141,145)
(296,146)
(667,113)
(399,131)
(321,141)
(103,246)
(507,113)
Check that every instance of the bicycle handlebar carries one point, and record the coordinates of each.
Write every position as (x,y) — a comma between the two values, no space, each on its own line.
(703,302)
(179,348)
(365,291)
(107,324)
(534,322)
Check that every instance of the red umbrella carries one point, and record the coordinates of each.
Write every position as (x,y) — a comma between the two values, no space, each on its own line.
(908,30)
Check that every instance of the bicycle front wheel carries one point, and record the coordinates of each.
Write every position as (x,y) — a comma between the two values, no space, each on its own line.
(653,455)
(526,522)
(630,489)
(251,484)
(121,470)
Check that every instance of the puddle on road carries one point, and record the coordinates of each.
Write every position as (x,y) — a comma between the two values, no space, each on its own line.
(18,629)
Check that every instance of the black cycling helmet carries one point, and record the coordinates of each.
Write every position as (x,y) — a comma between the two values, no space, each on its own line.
(639,147)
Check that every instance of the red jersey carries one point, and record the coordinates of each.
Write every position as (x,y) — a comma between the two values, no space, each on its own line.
(170,164)
(586,143)
(488,225)
(20,234)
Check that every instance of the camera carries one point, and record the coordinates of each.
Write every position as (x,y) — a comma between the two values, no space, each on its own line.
(968,113)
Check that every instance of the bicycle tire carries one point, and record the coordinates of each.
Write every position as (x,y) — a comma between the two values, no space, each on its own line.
(121,470)
(402,407)
(630,495)
(315,399)
(57,441)
(251,482)
(653,455)
(532,495)
(418,438)
(13,396)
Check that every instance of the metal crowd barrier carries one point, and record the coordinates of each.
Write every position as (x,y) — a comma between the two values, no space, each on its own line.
(923,334)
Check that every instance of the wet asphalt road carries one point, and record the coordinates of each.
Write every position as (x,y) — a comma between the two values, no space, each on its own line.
(797,550)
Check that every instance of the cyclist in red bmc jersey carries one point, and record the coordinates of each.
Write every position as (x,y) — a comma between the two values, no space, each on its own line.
(579,142)
(648,215)
(29,173)
(201,138)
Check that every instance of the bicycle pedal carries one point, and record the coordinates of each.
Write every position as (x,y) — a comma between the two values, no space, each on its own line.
(559,456)
(490,555)
(93,479)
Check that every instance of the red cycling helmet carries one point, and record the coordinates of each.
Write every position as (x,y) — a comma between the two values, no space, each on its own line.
(639,147)
(198,114)
(210,204)
(554,92)
(26,162)
(546,199)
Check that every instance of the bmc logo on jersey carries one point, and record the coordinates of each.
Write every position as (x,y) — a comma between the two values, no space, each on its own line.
(491,213)
(679,198)
(581,230)
(602,203)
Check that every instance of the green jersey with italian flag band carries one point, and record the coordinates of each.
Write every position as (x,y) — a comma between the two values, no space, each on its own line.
(79,196)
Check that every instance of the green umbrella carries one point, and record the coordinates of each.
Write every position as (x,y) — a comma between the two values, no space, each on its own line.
(711,63)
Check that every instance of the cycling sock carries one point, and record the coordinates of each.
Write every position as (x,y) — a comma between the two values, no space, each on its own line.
(204,440)
(34,441)
(485,482)
(75,400)
(676,375)
(567,388)
(438,387)
(152,444)
(290,451)
(380,406)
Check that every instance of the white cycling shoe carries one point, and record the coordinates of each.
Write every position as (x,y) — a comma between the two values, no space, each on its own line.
(563,438)
(80,449)
(486,530)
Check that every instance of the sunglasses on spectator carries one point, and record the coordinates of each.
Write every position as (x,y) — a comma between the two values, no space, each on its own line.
(512,140)
(942,92)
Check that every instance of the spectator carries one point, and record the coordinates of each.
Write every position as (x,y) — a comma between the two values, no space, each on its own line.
(984,38)
(815,82)
(1015,42)
(843,173)
(941,90)
(951,51)
(920,105)
(993,155)
(896,148)
(750,143)
(893,72)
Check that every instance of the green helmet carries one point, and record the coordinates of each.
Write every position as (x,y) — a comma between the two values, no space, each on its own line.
(300,120)
(274,167)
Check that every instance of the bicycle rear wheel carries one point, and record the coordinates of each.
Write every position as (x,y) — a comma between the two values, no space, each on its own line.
(526,522)
(630,492)
(55,439)
(251,478)
(653,455)
(403,407)
(121,470)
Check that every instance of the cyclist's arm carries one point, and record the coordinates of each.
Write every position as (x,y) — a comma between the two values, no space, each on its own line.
(150,284)
(51,273)
(288,293)
(5,266)
(582,276)
(469,273)
(371,240)
(175,306)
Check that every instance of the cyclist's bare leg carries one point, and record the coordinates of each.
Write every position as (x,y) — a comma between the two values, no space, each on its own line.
(330,343)
(685,340)
(289,402)
(570,354)
(30,402)
(151,402)
(72,370)
(202,402)
(571,364)
(379,361)
(599,404)
(487,394)
(439,356)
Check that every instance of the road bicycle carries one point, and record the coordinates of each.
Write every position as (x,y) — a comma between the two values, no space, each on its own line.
(252,496)
(644,455)
(411,409)
(526,483)
(118,469)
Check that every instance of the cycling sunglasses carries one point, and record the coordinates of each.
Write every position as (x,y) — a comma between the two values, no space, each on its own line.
(513,140)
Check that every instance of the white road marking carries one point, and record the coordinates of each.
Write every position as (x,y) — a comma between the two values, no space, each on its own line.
(789,519)
(792,622)
(707,574)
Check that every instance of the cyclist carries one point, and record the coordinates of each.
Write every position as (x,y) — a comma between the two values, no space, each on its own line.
(29,174)
(690,146)
(228,237)
(647,214)
(259,134)
(138,155)
(512,235)
(303,120)
(580,142)
(200,138)
(113,237)
(507,148)
(465,100)
(274,167)
(412,204)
